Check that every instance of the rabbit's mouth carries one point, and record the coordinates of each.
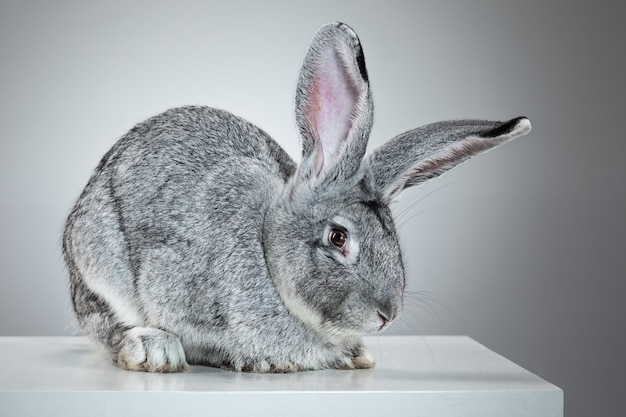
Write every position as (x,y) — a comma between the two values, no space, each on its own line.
(376,321)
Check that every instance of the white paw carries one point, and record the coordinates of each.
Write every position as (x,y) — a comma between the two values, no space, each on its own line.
(151,350)
(363,361)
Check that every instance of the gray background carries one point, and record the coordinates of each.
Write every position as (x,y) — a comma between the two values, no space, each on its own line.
(523,249)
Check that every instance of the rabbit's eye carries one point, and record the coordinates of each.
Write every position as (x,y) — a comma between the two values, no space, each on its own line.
(338,238)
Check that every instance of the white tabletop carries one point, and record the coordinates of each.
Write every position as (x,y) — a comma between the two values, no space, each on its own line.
(430,375)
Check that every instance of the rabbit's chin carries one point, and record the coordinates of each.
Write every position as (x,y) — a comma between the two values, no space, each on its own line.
(336,330)
(374,324)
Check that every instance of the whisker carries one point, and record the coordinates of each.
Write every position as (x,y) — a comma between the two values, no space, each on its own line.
(421,198)
(427,309)
(406,221)
(428,303)
(408,324)
(432,297)
(413,330)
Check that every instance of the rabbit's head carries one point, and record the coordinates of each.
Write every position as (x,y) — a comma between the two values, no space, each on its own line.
(330,241)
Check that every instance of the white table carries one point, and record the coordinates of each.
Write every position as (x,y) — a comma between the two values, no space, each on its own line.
(415,376)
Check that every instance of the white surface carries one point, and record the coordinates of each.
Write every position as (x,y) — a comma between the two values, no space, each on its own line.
(434,376)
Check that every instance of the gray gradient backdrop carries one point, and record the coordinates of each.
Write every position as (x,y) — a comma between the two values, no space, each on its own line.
(523,249)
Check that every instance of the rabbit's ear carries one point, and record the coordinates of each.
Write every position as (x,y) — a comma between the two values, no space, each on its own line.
(333,103)
(427,152)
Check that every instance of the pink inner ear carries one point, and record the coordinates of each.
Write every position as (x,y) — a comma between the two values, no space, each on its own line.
(332,104)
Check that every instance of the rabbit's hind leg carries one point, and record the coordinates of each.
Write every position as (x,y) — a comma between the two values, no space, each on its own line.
(152,350)
(131,346)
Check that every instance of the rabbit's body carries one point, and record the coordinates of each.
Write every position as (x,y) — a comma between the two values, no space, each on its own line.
(199,240)
(179,248)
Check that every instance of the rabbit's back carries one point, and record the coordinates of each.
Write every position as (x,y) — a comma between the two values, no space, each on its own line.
(186,173)
(191,141)
(173,217)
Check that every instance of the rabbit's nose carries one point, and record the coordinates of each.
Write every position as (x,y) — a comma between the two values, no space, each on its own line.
(387,312)
(387,309)
(384,319)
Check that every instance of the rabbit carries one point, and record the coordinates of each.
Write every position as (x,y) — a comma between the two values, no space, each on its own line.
(198,240)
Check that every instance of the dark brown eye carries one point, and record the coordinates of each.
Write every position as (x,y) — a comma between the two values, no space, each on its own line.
(338,238)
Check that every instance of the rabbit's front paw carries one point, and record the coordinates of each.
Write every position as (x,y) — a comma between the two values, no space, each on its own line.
(363,360)
(151,350)
(360,359)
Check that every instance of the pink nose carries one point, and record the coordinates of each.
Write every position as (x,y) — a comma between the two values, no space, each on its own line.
(384,319)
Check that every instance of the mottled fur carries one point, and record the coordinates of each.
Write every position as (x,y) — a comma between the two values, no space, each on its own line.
(198,240)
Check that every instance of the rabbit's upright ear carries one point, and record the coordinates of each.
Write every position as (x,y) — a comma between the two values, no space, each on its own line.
(333,103)
(427,152)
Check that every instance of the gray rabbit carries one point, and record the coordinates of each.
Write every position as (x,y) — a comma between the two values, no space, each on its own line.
(198,240)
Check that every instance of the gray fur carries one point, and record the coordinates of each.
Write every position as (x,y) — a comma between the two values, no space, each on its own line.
(198,240)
